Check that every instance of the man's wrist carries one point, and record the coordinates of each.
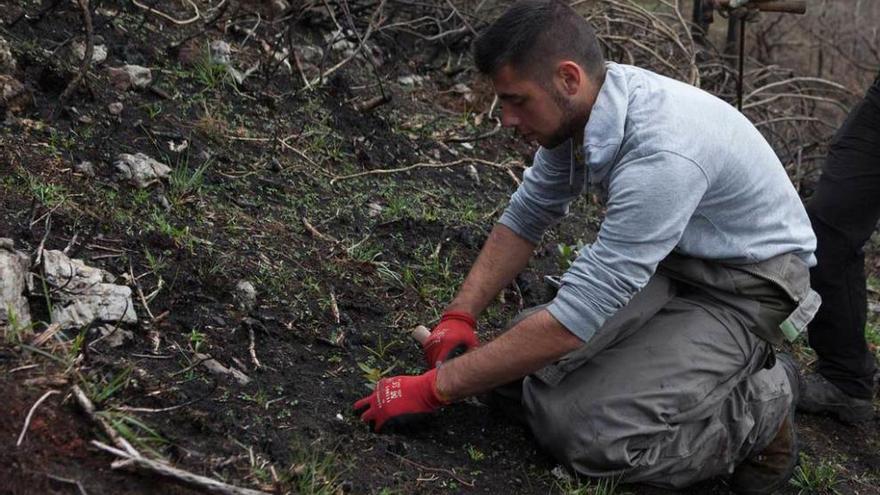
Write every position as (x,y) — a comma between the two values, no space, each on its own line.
(459,315)
(462,307)
(441,391)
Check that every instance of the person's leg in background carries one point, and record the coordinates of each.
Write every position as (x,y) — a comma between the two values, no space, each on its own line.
(844,212)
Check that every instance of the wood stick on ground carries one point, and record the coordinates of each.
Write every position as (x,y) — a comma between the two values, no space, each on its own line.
(163,15)
(30,415)
(316,233)
(69,481)
(47,334)
(89,408)
(140,463)
(215,367)
(252,348)
(334,308)
(87,57)
(462,161)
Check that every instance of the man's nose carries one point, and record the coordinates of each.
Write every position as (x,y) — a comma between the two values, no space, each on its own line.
(508,119)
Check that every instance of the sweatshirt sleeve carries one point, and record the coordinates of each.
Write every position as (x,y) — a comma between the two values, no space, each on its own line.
(650,202)
(545,193)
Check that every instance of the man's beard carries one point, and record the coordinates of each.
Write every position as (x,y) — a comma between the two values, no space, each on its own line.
(568,123)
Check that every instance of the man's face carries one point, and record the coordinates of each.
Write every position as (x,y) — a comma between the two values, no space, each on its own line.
(538,112)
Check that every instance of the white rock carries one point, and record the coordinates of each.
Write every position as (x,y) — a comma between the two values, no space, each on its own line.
(7,60)
(13,274)
(115,336)
(82,294)
(141,77)
(464,91)
(99,52)
(221,52)
(340,41)
(309,53)
(472,173)
(140,170)
(560,473)
(410,80)
(115,108)
(128,76)
(177,148)
(374,209)
(14,96)
(245,295)
(86,168)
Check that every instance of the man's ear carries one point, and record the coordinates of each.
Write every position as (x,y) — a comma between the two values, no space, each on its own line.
(570,77)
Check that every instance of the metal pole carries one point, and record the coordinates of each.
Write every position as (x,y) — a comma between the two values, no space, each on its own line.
(742,56)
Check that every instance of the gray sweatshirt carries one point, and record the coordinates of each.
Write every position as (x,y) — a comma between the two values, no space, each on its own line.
(681,170)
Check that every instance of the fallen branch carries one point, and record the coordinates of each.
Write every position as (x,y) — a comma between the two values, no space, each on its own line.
(462,161)
(316,233)
(252,349)
(140,463)
(30,415)
(448,472)
(87,57)
(168,17)
(47,334)
(215,367)
(89,408)
(69,481)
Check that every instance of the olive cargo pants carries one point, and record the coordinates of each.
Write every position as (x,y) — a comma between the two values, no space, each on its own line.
(677,386)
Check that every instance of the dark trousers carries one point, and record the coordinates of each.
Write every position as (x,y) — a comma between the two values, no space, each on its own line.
(844,212)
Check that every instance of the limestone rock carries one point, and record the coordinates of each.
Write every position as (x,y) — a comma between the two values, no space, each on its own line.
(309,53)
(82,294)
(99,52)
(130,76)
(245,295)
(86,168)
(7,60)
(221,52)
(115,108)
(14,97)
(13,274)
(140,170)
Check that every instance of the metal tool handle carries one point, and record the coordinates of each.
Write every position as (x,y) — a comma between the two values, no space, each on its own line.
(786,6)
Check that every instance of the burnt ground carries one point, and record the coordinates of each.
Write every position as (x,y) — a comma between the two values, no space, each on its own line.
(343,267)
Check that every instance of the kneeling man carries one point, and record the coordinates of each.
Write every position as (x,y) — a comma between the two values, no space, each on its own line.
(654,363)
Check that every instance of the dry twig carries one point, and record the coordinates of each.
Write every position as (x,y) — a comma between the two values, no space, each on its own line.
(30,415)
(140,463)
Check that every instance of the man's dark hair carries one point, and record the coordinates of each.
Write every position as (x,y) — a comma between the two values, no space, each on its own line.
(532,34)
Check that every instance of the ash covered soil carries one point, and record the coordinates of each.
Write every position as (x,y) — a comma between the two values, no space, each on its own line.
(297,191)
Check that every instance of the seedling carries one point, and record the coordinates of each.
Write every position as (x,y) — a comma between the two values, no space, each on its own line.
(100,393)
(819,478)
(185,182)
(14,329)
(475,454)
(567,253)
(373,375)
(382,348)
(134,430)
(196,339)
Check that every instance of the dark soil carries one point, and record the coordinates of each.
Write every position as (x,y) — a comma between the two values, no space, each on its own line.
(291,429)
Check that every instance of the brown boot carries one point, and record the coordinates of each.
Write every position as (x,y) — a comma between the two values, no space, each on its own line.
(770,469)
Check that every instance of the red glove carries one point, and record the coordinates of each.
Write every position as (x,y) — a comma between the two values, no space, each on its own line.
(453,336)
(399,399)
